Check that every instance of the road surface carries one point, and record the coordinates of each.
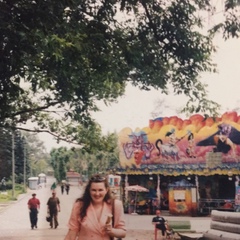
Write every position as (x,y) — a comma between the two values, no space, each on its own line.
(15,224)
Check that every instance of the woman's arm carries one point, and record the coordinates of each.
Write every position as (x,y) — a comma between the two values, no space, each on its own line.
(117,233)
(73,223)
(119,228)
(71,235)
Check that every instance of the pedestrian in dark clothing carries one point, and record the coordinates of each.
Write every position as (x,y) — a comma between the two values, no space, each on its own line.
(67,188)
(33,206)
(160,222)
(53,209)
(62,188)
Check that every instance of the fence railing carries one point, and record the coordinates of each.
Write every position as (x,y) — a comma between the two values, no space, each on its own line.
(205,206)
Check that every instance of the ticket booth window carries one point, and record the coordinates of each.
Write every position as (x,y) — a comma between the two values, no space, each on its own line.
(179,195)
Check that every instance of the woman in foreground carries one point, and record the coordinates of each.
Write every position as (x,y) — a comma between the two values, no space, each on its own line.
(93,214)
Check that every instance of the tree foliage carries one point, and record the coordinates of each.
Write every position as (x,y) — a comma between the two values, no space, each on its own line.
(5,153)
(8,144)
(59,57)
(28,148)
(86,161)
(58,160)
(37,157)
(230,27)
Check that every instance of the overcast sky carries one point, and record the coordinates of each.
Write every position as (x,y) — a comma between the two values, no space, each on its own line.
(135,108)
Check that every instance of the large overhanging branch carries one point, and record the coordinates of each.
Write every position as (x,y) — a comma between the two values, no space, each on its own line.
(57,136)
(30,110)
(151,24)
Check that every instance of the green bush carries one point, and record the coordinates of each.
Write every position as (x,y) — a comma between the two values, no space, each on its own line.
(4,198)
(179,224)
(9,185)
(19,189)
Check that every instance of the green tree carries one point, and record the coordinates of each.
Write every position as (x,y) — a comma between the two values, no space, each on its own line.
(86,161)
(26,146)
(5,153)
(58,160)
(19,156)
(230,24)
(59,57)
(79,160)
(37,158)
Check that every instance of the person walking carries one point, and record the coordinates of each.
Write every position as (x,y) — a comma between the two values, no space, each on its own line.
(53,186)
(53,204)
(33,206)
(67,188)
(96,215)
(3,183)
(62,188)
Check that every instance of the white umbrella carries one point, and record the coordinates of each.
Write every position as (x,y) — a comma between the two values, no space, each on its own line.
(136,188)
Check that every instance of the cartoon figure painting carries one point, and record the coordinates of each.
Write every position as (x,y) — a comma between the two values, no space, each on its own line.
(138,144)
(223,140)
(138,155)
(170,149)
(192,141)
(191,146)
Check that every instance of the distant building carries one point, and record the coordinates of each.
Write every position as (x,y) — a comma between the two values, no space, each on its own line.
(73,177)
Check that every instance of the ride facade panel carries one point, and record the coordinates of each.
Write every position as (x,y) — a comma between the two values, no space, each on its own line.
(172,146)
(205,151)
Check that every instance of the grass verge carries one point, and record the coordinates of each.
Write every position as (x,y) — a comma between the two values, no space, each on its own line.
(7,196)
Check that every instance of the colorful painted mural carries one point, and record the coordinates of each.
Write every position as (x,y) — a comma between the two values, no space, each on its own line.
(172,145)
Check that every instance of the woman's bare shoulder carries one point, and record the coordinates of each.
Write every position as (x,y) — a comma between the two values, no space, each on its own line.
(78,203)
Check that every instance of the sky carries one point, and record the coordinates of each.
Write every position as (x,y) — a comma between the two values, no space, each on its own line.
(135,108)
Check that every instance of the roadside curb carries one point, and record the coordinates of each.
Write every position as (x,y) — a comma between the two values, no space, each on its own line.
(5,205)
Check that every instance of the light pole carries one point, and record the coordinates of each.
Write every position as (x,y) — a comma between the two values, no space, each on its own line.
(24,162)
(13,164)
(31,164)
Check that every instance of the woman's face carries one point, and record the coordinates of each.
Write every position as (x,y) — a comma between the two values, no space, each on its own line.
(98,191)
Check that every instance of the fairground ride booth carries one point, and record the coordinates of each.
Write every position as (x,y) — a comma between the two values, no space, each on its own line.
(73,178)
(190,166)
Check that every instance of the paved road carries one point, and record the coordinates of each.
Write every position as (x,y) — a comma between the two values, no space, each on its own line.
(14,220)
(15,224)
